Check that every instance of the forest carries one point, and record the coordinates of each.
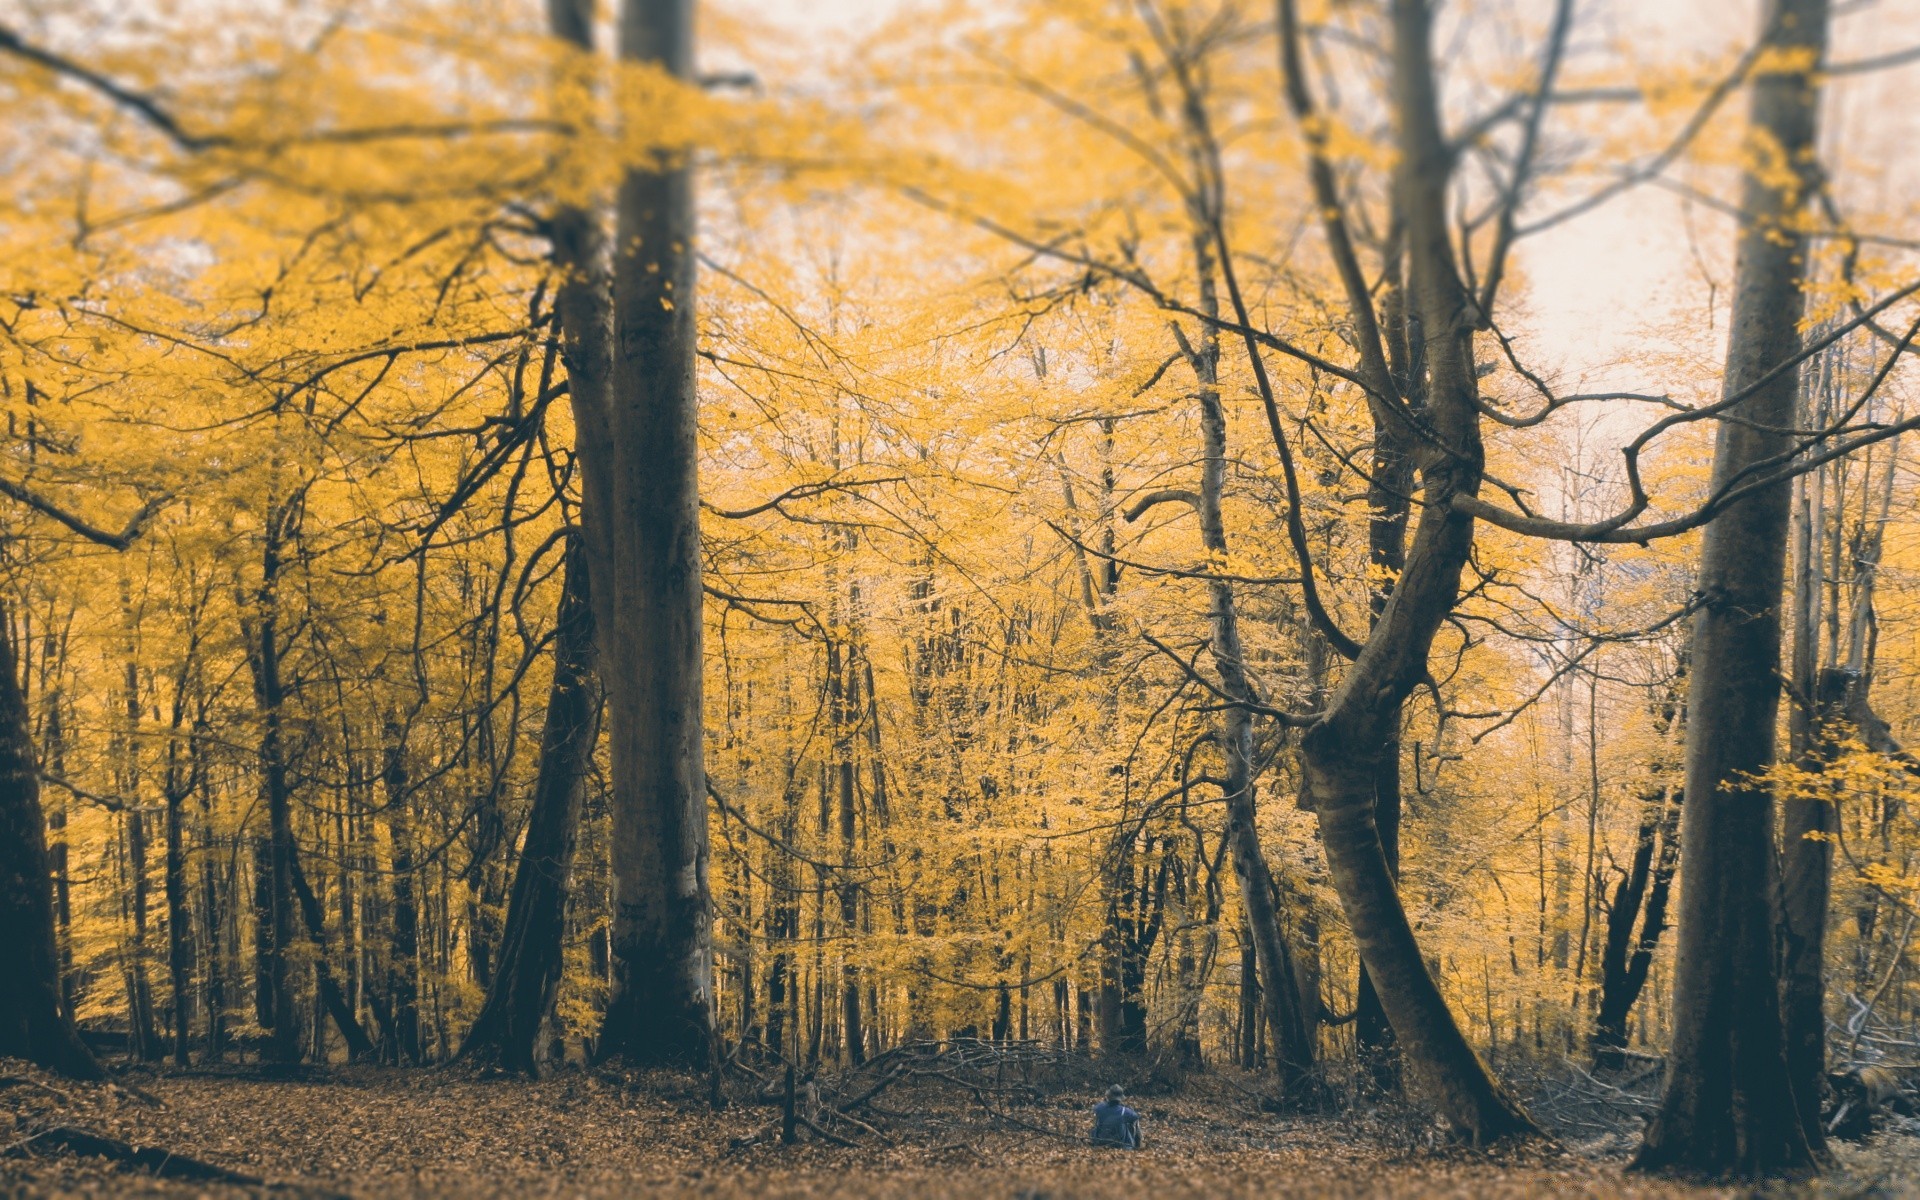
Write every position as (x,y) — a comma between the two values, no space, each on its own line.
(603,599)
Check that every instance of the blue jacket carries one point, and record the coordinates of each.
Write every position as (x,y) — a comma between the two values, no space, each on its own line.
(1115,1124)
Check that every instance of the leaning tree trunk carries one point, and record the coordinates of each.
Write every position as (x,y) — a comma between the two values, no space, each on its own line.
(1340,755)
(661,1009)
(1389,485)
(521,996)
(32,1025)
(1729,1107)
(1640,898)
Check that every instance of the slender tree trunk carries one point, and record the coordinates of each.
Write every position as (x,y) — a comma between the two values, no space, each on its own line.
(521,997)
(180,949)
(32,1023)
(1808,825)
(276,788)
(403,969)
(1293,1031)
(661,1009)
(140,1016)
(1730,1103)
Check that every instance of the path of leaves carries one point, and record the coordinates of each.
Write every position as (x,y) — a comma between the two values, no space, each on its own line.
(386,1133)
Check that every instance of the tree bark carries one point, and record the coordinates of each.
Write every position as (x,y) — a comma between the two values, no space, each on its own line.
(1389,492)
(1340,755)
(180,783)
(270,696)
(521,997)
(1808,825)
(661,1008)
(1641,897)
(403,964)
(32,1023)
(1729,1107)
(1293,1049)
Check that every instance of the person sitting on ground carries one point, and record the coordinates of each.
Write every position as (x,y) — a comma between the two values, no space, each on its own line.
(1114,1124)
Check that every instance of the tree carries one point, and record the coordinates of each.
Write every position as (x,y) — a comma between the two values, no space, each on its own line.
(526,981)
(651,621)
(1729,1106)
(33,1025)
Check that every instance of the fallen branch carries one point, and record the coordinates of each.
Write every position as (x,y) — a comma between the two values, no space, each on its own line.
(163,1163)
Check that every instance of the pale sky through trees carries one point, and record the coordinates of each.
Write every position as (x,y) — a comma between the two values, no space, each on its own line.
(1598,286)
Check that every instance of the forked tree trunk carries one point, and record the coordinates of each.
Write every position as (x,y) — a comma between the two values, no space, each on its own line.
(661,1009)
(1729,1107)
(521,996)
(1389,487)
(1640,899)
(32,1025)
(1340,755)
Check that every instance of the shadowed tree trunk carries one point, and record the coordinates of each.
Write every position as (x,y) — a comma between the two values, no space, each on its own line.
(1807,826)
(650,620)
(32,1025)
(182,779)
(274,891)
(1389,486)
(403,965)
(1340,754)
(1643,893)
(1641,897)
(1729,1107)
(507,1031)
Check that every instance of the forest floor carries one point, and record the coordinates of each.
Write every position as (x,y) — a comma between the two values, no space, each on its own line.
(370,1132)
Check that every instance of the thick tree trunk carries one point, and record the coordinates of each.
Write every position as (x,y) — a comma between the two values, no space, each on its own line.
(32,1023)
(1340,755)
(1729,1107)
(520,999)
(1389,492)
(661,1009)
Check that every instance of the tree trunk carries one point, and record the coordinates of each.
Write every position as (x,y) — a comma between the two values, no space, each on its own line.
(1389,488)
(1641,897)
(403,967)
(1808,825)
(520,999)
(1340,755)
(1729,1107)
(32,1023)
(1293,1050)
(179,931)
(270,696)
(661,1009)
